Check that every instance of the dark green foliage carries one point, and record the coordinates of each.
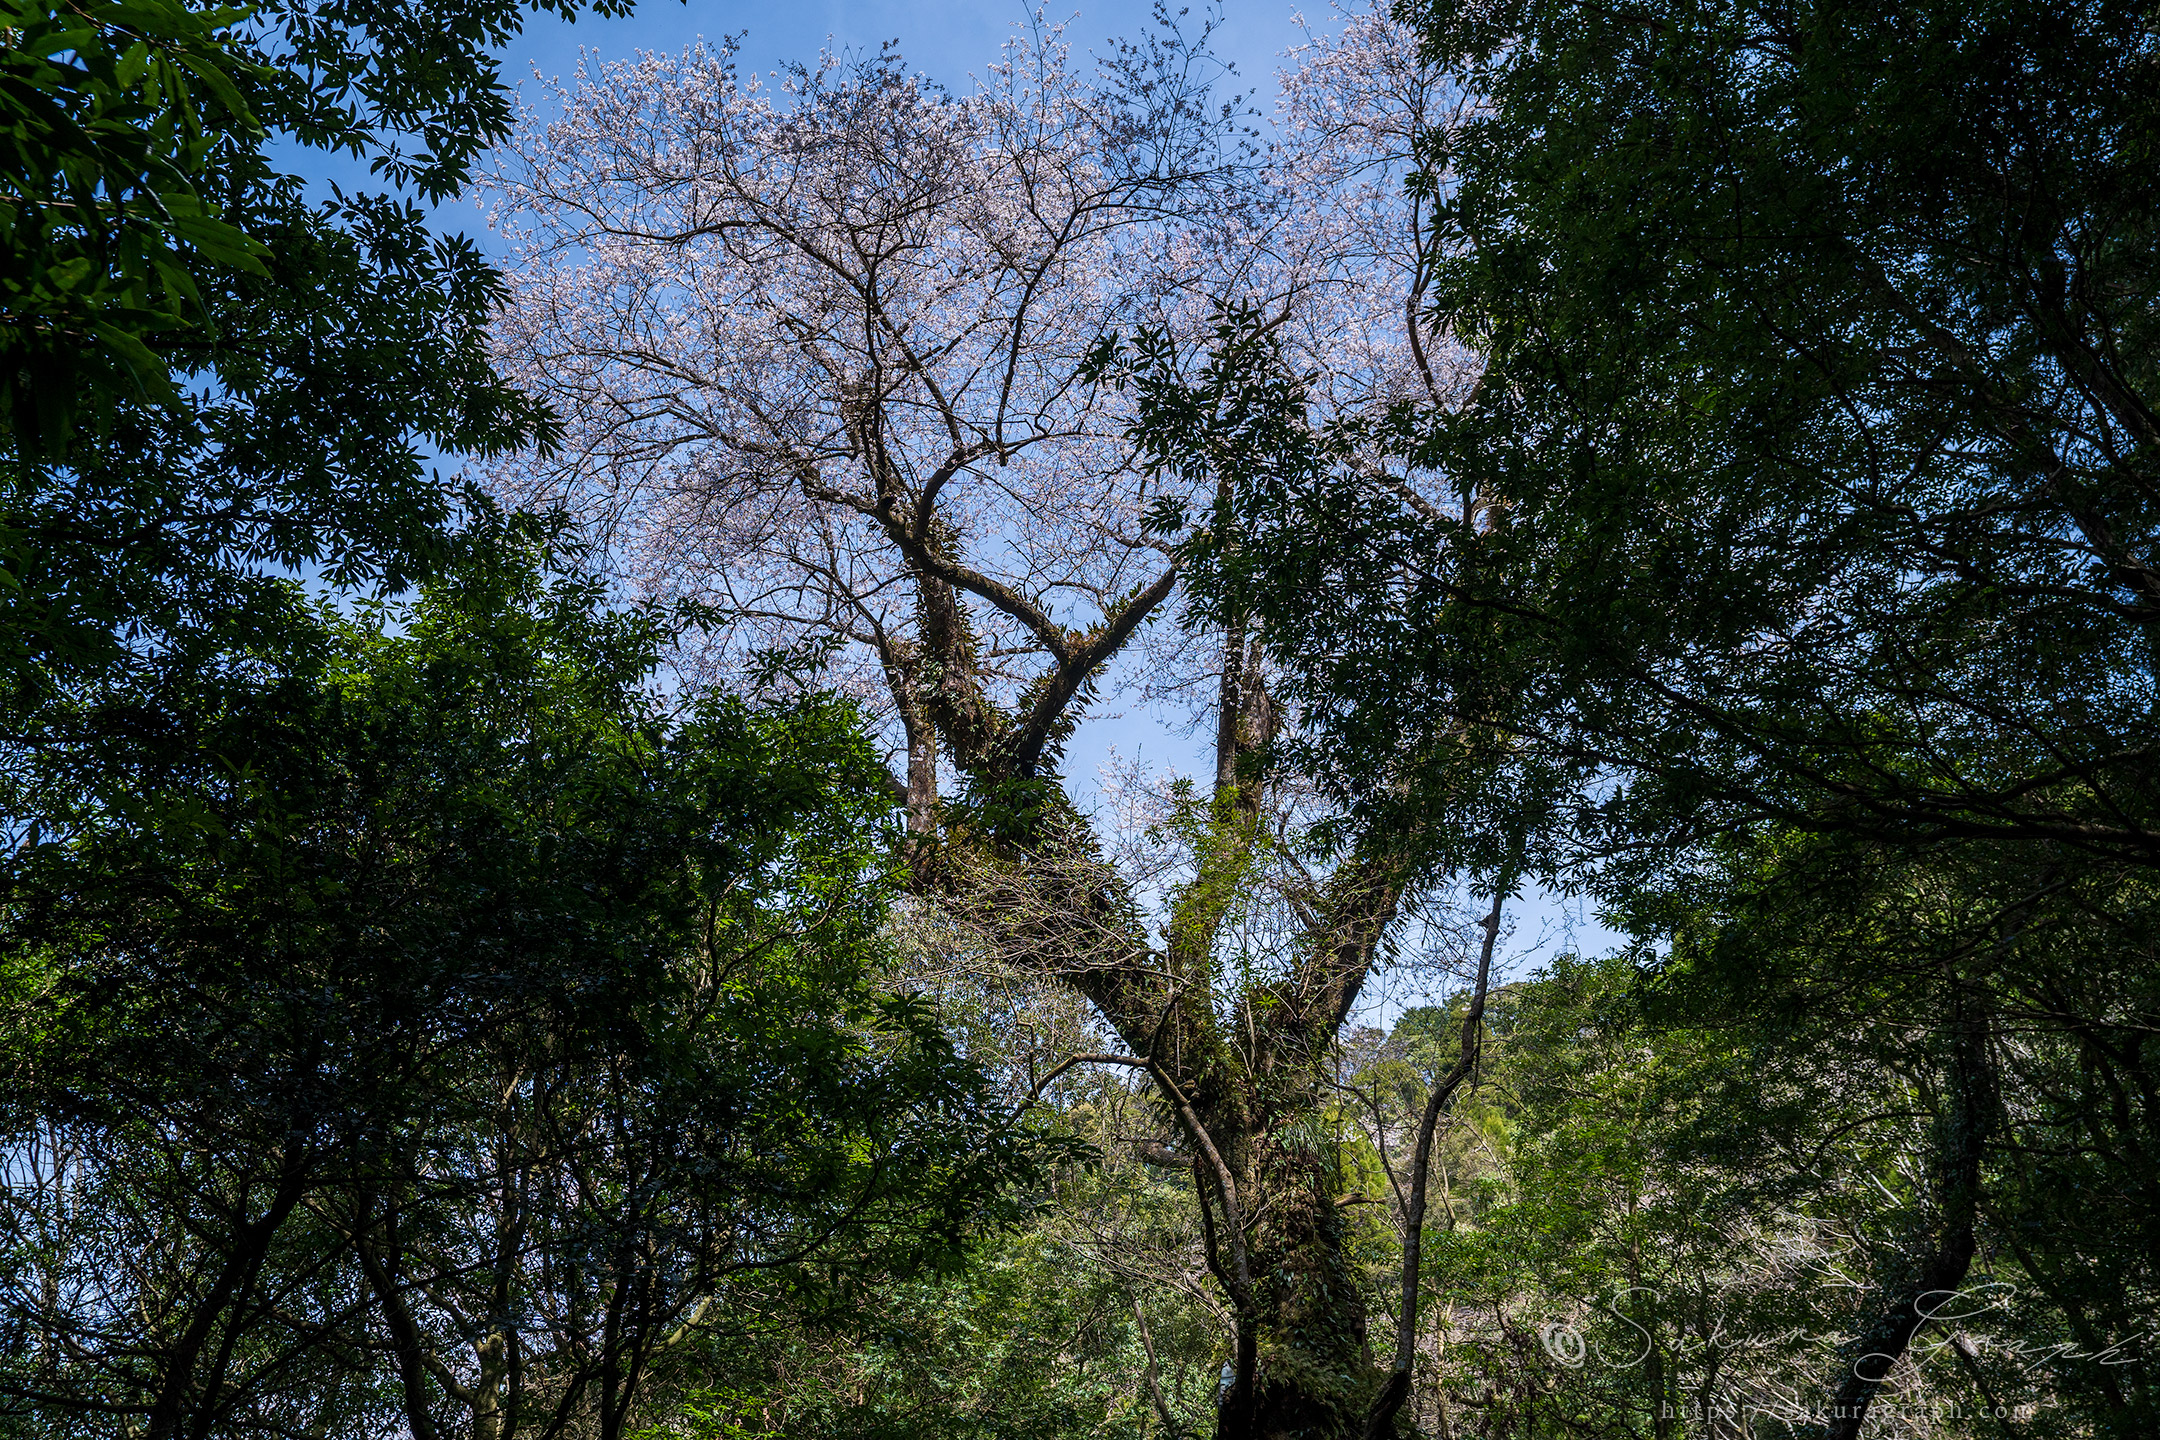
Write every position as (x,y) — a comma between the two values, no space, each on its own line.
(1030,1340)
(415,1022)
(1999,1000)
(447,1057)
(1820,353)
(102,148)
(270,372)
(1788,578)
(1812,463)
(1718,1173)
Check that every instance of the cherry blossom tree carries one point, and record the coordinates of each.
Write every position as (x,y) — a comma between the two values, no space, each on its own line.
(828,347)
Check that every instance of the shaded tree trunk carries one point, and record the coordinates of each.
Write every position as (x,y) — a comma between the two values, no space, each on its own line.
(1961,1134)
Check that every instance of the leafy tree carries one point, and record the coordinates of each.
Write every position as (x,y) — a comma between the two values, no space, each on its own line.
(1807,491)
(1095,1317)
(1807,466)
(1028,1340)
(105,150)
(441,1065)
(208,374)
(418,1024)
(1857,971)
(1688,1209)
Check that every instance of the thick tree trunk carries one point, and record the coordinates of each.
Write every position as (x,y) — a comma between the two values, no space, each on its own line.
(1961,1135)
(1314,1373)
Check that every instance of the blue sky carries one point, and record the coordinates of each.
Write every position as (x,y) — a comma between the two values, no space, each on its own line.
(946,40)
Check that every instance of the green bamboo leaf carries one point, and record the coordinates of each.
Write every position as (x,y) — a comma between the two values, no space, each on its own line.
(131,66)
(45,45)
(221,242)
(223,89)
(178,283)
(68,274)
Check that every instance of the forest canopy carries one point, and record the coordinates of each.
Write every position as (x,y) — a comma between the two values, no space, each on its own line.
(548,891)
